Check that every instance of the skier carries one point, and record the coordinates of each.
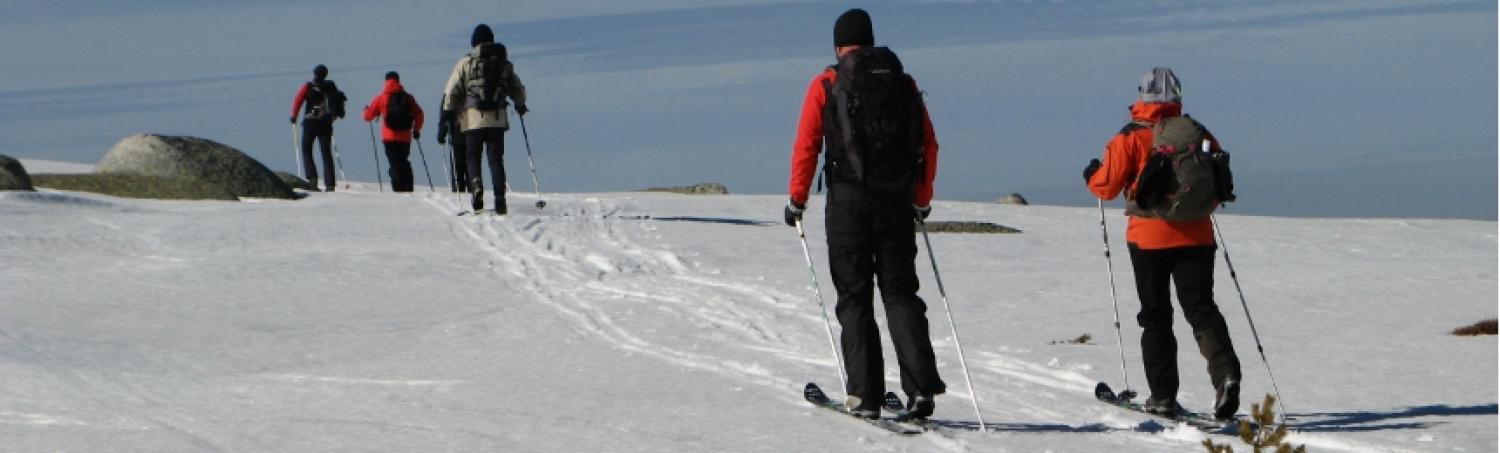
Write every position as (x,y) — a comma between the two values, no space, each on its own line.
(324,104)
(1164,252)
(401,122)
(449,129)
(477,89)
(871,213)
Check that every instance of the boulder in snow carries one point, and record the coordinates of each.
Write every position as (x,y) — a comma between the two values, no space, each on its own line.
(707,188)
(1013,198)
(194,158)
(13,175)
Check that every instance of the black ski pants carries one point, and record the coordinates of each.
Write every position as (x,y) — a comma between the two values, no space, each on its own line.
(399,156)
(870,240)
(475,142)
(1192,270)
(322,130)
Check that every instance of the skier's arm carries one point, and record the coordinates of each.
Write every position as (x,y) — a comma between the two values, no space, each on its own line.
(375,108)
(1119,167)
(809,141)
(453,90)
(297,102)
(929,158)
(416,114)
(517,90)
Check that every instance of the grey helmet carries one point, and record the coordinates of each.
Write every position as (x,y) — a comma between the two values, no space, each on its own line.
(1160,85)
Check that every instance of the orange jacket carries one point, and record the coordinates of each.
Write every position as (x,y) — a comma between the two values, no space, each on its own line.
(377,109)
(1124,157)
(810,143)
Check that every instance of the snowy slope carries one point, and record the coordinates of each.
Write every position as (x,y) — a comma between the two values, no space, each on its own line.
(360,321)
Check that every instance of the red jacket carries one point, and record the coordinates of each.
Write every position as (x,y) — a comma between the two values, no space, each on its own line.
(297,102)
(377,109)
(810,143)
(1124,157)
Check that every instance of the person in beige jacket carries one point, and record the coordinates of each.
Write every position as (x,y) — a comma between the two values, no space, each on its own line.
(477,91)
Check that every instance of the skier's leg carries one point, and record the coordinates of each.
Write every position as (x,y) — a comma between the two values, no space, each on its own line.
(309,170)
(851,262)
(325,144)
(474,145)
(1194,279)
(1158,344)
(494,139)
(896,271)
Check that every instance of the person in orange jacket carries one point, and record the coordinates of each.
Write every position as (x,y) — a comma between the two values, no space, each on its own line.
(322,103)
(871,230)
(402,122)
(1162,253)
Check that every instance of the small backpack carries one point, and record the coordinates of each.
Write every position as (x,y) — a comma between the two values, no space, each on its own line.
(1183,179)
(873,123)
(398,115)
(324,100)
(488,74)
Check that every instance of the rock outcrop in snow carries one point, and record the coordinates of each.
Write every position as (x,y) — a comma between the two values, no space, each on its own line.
(194,158)
(13,175)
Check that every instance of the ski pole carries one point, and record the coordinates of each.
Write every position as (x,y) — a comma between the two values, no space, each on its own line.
(448,168)
(424,165)
(1258,347)
(338,160)
(838,357)
(539,202)
(1114,300)
(974,397)
(297,152)
(379,182)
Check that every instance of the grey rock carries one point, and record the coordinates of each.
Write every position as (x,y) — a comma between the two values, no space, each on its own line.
(194,158)
(1014,198)
(13,175)
(707,188)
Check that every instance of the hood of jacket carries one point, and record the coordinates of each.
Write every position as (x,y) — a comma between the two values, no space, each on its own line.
(1152,112)
(393,86)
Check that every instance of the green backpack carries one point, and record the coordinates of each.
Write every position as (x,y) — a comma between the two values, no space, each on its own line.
(1183,180)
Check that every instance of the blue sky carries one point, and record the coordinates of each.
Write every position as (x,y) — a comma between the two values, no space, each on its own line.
(1331,108)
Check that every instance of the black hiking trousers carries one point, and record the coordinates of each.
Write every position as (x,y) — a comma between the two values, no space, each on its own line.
(1192,270)
(399,156)
(460,182)
(322,130)
(475,142)
(871,239)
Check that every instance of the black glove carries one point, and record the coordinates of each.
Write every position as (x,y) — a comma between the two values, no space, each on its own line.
(922,212)
(793,213)
(1088,172)
(521,109)
(294,120)
(416,135)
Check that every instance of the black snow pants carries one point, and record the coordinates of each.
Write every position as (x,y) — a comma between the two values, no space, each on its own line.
(399,156)
(457,143)
(870,239)
(322,130)
(475,142)
(1192,270)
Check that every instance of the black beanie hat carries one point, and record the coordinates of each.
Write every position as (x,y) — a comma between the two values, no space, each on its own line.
(853,28)
(482,35)
(320,72)
(393,76)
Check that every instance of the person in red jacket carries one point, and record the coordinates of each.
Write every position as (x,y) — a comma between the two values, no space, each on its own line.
(870,232)
(1163,252)
(402,122)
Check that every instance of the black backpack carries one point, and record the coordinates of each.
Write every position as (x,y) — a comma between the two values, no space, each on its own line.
(398,115)
(1183,180)
(487,77)
(873,124)
(324,100)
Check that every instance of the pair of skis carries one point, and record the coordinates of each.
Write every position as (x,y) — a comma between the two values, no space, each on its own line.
(900,423)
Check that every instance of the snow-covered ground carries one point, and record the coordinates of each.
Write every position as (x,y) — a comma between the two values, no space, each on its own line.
(359,321)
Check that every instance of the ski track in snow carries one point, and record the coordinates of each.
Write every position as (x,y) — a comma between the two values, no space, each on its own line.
(579,258)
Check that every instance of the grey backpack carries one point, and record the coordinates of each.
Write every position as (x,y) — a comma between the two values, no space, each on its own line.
(1183,180)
